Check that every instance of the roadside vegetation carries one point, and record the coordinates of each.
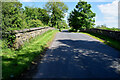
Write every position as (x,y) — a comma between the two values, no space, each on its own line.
(15,62)
(56,10)
(82,18)
(15,17)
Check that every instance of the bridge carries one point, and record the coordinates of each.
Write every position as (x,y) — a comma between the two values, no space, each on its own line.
(77,55)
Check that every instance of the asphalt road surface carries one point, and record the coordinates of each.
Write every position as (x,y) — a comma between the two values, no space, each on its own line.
(76,55)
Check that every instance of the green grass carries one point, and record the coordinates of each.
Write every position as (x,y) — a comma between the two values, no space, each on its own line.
(112,29)
(15,62)
(106,40)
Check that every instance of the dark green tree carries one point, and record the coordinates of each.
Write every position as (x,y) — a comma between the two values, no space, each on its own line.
(12,16)
(82,16)
(62,24)
(36,13)
(43,16)
(57,10)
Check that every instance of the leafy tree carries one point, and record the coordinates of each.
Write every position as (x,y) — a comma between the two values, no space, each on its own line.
(36,14)
(57,10)
(43,16)
(12,19)
(31,13)
(62,24)
(81,16)
(35,23)
(12,16)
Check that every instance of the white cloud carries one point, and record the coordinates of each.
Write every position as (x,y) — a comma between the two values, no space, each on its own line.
(110,9)
(110,13)
(99,0)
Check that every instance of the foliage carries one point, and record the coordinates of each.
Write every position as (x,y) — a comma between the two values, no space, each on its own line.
(35,23)
(72,29)
(57,10)
(106,28)
(15,62)
(11,15)
(14,17)
(81,16)
(10,38)
(62,24)
(43,16)
(36,13)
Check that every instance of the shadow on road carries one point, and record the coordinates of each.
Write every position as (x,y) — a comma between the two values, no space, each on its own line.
(80,59)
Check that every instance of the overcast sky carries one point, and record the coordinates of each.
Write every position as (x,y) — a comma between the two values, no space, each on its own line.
(106,10)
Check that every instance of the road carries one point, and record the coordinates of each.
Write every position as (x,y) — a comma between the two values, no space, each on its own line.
(76,55)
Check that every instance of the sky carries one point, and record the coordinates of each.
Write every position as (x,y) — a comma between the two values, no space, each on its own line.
(106,10)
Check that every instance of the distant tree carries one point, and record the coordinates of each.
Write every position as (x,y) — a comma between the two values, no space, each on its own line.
(57,10)
(101,26)
(81,16)
(63,24)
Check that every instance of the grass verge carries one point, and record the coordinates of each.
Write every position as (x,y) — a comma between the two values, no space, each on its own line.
(15,62)
(106,40)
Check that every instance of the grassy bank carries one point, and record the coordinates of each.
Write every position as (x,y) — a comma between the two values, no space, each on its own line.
(106,40)
(15,62)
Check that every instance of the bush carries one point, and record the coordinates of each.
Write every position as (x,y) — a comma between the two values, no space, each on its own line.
(35,23)
(15,62)
(72,30)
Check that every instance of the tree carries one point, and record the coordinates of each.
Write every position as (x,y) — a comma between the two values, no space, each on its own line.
(12,16)
(62,24)
(36,14)
(81,16)
(43,16)
(57,10)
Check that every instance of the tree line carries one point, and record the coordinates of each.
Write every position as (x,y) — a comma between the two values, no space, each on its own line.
(15,17)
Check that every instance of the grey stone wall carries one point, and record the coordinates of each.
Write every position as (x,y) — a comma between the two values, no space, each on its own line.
(109,33)
(25,35)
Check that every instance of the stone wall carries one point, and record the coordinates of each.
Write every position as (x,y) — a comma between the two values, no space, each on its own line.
(27,34)
(109,33)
